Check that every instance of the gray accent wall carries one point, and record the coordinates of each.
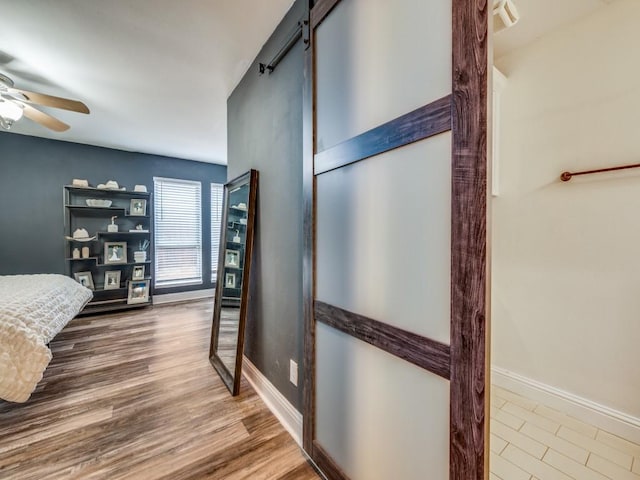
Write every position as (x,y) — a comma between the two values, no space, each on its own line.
(265,132)
(32,173)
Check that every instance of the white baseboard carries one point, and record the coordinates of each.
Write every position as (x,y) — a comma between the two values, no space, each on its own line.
(601,416)
(183,296)
(286,413)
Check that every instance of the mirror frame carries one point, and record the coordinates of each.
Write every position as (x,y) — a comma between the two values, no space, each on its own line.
(232,380)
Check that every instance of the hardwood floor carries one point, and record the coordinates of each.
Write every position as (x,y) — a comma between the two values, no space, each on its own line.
(133,396)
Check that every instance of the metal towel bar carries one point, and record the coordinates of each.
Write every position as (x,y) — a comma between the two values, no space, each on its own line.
(566,176)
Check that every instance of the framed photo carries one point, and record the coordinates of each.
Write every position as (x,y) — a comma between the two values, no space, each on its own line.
(138,207)
(112,279)
(232,259)
(138,291)
(115,253)
(230,280)
(85,279)
(138,272)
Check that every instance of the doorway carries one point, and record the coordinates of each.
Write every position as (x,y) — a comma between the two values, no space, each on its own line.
(565,365)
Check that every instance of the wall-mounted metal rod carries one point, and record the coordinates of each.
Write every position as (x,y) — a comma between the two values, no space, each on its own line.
(566,176)
(271,66)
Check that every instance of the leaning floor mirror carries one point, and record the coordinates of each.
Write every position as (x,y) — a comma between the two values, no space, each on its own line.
(232,287)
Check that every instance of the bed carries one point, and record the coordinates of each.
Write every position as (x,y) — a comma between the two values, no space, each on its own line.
(33,310)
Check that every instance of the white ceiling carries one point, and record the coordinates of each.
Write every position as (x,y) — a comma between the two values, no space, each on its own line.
(155,74)
(538,17)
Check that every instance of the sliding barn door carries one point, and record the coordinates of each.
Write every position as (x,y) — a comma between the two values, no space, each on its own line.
(395,255)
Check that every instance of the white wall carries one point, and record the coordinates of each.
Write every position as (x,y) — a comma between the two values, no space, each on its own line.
(566,256)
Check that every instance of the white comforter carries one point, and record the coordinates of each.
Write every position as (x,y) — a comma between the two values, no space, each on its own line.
(33,309)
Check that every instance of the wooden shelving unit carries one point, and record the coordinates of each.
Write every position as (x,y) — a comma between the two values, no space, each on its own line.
(78,214)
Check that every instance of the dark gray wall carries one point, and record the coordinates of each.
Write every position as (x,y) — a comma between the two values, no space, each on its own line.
(32,173)
(265,133)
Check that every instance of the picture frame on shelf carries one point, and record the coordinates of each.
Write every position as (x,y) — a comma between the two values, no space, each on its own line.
(115,253)
(138,292)
(112,279)
(138,207)
(230,280)
(232,258)
(85,279)
(138,272)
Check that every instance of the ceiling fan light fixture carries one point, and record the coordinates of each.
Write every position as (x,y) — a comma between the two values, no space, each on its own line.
(10,112)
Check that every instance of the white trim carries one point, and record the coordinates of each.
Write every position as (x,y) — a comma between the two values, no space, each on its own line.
(289,417)
(499,79)
(507,14)
(601,416)
(178,180)
(499,83)
(183,296)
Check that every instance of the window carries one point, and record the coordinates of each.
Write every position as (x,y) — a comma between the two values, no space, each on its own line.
(178,229)
(217,191)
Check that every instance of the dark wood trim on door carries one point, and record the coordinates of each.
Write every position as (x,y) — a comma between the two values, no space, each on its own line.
(325,463)
(468,452)
(419,124)
(321,9)
(416,349)
(308,247)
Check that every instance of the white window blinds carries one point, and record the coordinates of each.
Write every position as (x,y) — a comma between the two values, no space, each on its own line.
(178,232)
(217,191)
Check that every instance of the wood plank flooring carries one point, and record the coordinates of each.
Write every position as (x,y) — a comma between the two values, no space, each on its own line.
(133,396)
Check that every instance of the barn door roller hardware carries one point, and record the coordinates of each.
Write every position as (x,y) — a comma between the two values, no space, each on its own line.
(302,29)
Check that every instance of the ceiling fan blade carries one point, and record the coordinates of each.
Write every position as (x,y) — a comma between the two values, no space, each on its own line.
(48,100)
(44,119)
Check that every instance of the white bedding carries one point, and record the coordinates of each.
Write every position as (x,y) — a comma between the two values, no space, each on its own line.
(33,310)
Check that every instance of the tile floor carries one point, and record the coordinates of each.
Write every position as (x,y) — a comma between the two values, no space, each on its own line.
(533,442)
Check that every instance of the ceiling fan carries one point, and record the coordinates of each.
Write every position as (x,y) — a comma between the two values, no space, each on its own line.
(16,103)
